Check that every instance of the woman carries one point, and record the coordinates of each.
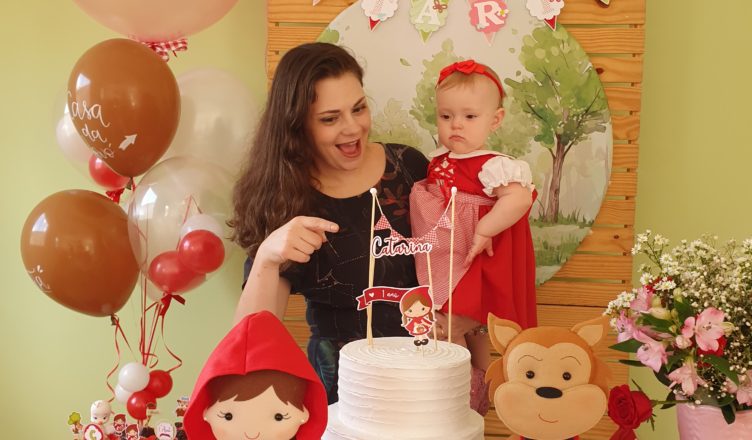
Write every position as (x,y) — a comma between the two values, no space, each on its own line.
(303,207)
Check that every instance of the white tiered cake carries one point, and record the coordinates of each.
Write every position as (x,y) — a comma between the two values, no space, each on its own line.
(394,390)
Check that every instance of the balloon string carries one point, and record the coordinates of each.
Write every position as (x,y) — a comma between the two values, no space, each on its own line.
(118,329)
(155,320)
(167,300)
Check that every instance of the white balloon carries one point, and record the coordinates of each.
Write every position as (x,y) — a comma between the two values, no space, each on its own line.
(133,376)
(71,144)
(201,221)
(121,394)
(218,116)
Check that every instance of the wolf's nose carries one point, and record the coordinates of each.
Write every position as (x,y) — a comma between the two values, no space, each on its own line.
(548,392)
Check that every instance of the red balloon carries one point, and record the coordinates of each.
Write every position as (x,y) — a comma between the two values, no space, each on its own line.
(169,274)
(104,176)
(139,402)
(160,383)
(201,251)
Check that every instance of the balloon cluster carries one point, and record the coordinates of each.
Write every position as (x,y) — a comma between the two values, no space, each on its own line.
(138,388)
(126,115)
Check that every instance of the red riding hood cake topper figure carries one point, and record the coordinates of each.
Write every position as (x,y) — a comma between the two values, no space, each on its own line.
(257,383)
(417,314)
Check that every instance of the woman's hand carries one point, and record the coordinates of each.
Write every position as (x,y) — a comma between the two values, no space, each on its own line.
(460,326)
(294,241)
(480,243)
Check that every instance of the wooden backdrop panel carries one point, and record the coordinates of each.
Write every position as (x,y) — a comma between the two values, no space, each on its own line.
(614,38)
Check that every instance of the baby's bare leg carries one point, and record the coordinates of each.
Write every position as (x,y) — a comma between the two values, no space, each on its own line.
(480,349)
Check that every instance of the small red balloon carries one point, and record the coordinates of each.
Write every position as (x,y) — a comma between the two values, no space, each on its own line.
(201,251)
(139,402)
(169,274)
(160,383)
(104,176)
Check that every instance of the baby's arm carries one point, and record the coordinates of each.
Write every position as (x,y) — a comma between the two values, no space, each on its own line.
(513,201)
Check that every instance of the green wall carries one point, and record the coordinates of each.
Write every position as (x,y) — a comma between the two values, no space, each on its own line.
(52,360)
(694,161)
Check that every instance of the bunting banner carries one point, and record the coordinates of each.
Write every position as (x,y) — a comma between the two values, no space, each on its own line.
(546,10)
(488,16)
(428,16)
(379,10)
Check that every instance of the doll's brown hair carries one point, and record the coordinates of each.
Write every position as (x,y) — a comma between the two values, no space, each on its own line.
(410,298)
(288,388)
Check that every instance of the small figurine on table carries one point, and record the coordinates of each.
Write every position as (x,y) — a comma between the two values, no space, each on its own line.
(100,426)
(257,383)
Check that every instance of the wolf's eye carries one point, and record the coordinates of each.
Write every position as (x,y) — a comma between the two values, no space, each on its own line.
(566,375)
(530,374)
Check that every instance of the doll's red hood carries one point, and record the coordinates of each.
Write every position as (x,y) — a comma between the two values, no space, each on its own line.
(258,342)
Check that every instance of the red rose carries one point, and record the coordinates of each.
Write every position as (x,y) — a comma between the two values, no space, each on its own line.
(628,409)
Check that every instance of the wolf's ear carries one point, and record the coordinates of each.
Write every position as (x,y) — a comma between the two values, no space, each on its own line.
(501,332)
(592,331)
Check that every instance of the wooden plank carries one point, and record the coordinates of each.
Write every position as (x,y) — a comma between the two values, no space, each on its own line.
(626,128)
(625,156)
(618,69)
(624,98)
(576,11)
(622,184)
(608,240)
(609,40)
(598,267)
(578,293)
(592,40)
(616,212)
(590,12)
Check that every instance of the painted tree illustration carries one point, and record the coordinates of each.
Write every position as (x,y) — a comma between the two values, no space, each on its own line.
(424,103)
(564,97)
(394,125)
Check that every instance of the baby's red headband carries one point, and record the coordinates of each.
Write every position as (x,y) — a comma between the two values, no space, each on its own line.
(469,67)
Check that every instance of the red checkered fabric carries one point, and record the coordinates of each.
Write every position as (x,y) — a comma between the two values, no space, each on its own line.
(434,217)
(163,48)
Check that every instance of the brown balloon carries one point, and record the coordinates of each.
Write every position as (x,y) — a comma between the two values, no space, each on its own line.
(75,247)
(125,103)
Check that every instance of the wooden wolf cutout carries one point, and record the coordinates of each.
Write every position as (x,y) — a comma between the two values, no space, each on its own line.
(548,385)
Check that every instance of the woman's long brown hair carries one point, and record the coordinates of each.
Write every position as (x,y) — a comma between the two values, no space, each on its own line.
(276,183)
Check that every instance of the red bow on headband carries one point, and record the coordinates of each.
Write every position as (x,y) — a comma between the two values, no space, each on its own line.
(469,67)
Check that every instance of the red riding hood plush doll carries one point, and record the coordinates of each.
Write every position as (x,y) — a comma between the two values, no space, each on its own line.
(257,383)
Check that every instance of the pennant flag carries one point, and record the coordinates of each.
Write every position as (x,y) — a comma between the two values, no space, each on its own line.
(488,16)
(428,16)
(378,10)
(546,10)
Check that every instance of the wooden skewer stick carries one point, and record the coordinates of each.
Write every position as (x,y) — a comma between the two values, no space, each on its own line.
(451,262)
(430,292)
(371,266)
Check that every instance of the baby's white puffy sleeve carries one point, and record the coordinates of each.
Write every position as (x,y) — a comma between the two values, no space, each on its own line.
(503,170)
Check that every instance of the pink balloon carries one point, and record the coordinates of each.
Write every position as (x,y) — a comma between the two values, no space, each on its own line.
(156,21)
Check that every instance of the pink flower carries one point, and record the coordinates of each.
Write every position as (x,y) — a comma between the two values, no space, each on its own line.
(683,342)
(643,301)
(706,329)
(652,353)
(686,375)
(744,391)
(625,327)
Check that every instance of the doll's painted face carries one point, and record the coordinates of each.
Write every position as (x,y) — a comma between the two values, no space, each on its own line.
(100,412)
(416,310)
(119,423)
(131,432)
(264,417)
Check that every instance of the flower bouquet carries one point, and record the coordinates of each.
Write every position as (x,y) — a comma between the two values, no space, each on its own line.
(690,320)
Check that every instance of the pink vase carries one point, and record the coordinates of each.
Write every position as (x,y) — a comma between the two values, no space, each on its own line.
(702,422)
